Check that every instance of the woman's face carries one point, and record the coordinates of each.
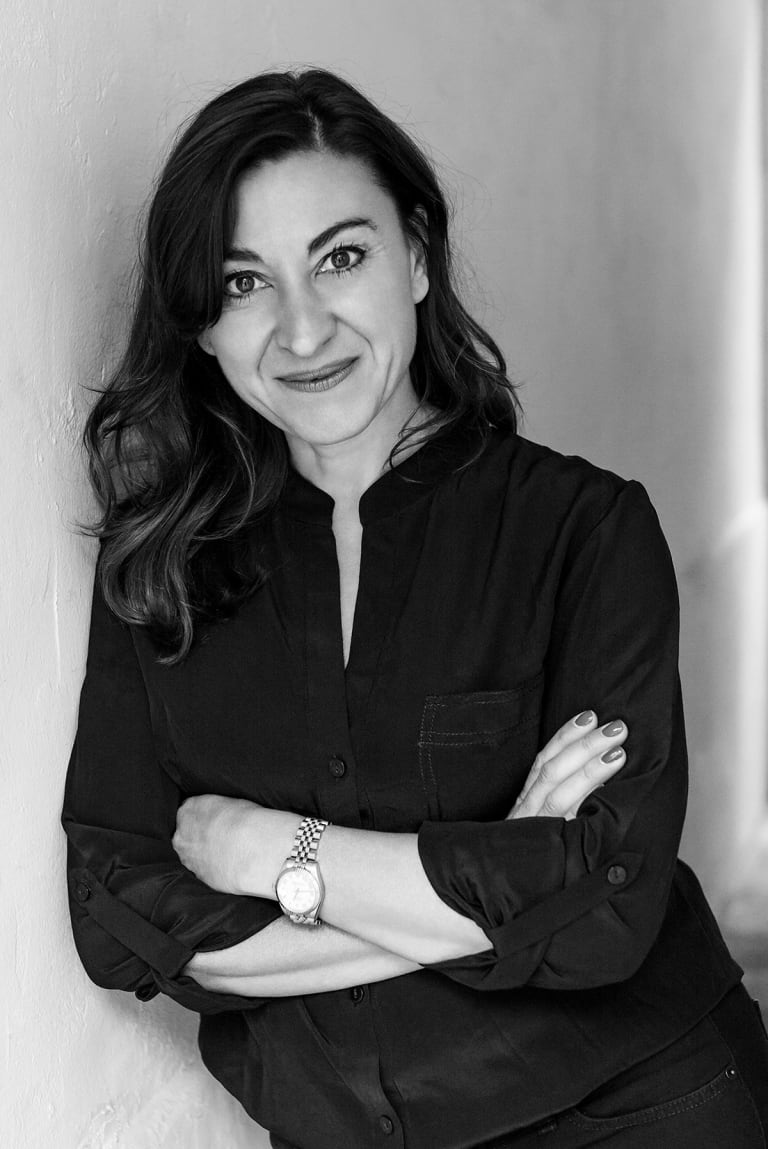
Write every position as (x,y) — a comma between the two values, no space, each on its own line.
(319,323)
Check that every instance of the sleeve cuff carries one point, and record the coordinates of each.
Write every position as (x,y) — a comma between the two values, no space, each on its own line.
(518,918)
(164,954)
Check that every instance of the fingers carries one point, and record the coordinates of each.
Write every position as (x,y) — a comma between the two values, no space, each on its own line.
(577,754)
(578,763)
(570,734)
(564,801)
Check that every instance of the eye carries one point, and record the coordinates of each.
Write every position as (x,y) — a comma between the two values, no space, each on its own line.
(342,259)
(241,284)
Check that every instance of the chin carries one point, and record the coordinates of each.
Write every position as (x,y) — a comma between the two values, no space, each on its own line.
(327,436)
(331,427)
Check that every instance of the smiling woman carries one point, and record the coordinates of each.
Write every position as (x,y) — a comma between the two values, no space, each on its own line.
(326,302)
(381,763)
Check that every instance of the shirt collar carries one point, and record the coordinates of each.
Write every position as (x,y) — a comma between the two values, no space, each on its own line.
(400,486)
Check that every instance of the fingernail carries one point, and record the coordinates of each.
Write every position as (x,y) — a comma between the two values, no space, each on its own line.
(612,729)
(584,718)
(612,755)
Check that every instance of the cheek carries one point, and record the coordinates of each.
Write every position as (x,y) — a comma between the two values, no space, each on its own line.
(239,341)
(399,330)
(386,315)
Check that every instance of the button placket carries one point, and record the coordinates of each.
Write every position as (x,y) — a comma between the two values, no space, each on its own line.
(327,718)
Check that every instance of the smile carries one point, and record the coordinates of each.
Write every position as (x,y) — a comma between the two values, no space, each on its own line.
(321,380)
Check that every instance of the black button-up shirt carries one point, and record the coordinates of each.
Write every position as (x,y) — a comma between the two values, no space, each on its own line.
(496,601)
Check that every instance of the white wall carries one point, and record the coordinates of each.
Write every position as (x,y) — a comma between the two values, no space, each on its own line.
(604,158)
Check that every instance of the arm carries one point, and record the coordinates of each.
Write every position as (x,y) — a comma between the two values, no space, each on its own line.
(141,920)
(285,959)
(403,912)
(376,885)
(577,904)
(137,914)
(552,901)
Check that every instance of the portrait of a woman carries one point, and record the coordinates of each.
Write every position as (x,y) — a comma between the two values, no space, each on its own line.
(381,761)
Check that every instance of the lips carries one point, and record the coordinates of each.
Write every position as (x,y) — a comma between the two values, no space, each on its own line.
(321,379)
(320,373)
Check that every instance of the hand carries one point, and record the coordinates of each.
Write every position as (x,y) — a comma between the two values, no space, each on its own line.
(214,839)
(569,768)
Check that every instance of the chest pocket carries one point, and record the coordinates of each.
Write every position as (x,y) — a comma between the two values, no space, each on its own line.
(475,750)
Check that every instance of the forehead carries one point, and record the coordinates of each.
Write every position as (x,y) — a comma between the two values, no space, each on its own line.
(291,200)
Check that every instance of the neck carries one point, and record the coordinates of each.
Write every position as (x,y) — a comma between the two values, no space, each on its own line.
(344,470)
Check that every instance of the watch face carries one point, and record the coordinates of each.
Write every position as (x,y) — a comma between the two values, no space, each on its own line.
(298,891)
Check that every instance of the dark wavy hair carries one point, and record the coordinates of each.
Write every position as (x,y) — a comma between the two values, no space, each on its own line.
(180,464)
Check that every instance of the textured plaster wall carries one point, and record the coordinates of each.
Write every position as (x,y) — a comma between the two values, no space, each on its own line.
(603,157)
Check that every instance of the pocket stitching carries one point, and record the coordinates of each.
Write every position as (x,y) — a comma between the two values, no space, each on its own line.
(441,702)
(425,758)
(463,738)
(487,697)
(672,1108)
(747,1090)
(436,705)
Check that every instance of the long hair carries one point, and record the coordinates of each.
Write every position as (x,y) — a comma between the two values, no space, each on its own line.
(180,464)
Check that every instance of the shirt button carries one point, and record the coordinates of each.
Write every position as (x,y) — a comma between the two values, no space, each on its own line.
(617,875)
(357,994)
(337,767)
(82,892)
(386,1125)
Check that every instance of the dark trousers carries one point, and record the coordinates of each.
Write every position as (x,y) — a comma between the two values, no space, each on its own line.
(708,1090)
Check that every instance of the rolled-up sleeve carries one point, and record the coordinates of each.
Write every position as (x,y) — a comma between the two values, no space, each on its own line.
(577,904)
(138,915)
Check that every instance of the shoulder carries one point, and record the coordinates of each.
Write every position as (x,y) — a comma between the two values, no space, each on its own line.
(592,509)
(543,473)
(559,503)
(536,466)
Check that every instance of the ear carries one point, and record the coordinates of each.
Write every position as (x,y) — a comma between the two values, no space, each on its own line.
(418,249)
(204,342)
(419,277)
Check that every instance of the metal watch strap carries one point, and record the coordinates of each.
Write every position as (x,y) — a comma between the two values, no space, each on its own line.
(307,839)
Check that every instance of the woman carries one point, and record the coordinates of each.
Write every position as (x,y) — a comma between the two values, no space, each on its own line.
(348,632)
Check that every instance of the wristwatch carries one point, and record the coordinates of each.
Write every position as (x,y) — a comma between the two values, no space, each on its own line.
(299,886)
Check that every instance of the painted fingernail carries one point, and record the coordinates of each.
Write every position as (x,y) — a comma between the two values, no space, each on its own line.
(612,755)
(612,729)
(584,718)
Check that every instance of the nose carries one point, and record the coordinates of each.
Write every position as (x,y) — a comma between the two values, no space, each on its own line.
(304,321)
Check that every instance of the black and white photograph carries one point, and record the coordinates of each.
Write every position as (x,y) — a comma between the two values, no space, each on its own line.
(384,648)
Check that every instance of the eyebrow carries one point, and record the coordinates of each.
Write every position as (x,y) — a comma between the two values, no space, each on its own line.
(314,245)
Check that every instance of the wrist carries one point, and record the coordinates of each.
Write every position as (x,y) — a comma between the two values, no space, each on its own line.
(271,838)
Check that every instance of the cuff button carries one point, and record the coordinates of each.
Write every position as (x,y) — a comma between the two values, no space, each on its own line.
(617,875)
(82,892)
